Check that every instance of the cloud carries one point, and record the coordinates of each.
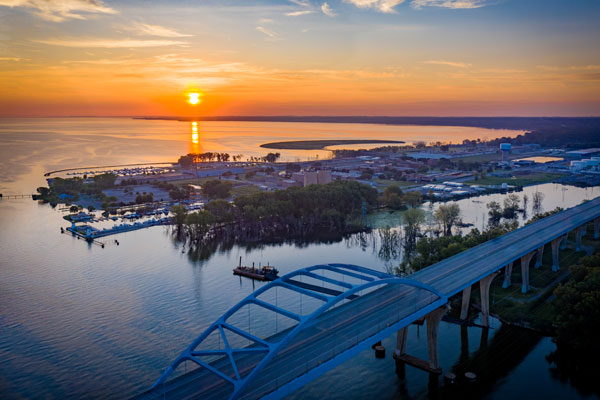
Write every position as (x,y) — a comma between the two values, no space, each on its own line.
(109,43)
(157,30)
(327,10)
(15,59)
(385,6)
(60,10)
(302,3)
(448,63)
(454,4)
(298,13)
(271,34)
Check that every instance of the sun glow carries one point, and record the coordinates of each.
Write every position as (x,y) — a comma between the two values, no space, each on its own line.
(194,98)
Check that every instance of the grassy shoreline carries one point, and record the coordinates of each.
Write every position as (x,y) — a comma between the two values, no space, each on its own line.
(322,144)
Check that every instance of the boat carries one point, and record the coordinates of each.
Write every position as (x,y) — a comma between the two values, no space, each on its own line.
(266,273)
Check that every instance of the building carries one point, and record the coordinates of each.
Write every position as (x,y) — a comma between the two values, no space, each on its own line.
(310,178)
(323,176)
(583,153)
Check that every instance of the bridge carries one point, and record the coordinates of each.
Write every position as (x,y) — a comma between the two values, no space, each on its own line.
(305,323)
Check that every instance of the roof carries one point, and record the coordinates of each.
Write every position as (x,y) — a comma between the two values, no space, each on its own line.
(585,151)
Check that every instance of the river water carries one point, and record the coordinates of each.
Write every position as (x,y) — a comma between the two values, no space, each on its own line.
(79,321)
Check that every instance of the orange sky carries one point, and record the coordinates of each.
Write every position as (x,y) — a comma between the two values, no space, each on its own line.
(353,57)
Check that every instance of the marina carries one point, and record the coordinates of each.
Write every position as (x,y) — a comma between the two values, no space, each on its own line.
(91,233)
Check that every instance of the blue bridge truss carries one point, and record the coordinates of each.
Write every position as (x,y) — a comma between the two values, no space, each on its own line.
(353,308)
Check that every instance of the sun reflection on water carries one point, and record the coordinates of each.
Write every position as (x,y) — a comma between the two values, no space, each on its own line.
(195,144)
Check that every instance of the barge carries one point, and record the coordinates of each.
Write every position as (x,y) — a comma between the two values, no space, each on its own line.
(266,273)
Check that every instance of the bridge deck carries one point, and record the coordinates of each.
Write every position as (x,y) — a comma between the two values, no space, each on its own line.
(453,274)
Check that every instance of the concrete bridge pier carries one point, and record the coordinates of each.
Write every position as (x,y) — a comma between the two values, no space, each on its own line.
(525,260)
(432,365)
(597,228)
(464,306)
(401,342)
(563,243)
(507,273)
(484,292)
(400,352)
(578,235)
(555,246)
(433,322)
(539,255)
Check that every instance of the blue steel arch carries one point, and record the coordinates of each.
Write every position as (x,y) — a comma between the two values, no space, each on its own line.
(372,278)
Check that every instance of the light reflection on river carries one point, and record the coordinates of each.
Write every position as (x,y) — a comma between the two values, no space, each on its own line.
(82,321)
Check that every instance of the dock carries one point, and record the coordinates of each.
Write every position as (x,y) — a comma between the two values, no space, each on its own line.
(90,233)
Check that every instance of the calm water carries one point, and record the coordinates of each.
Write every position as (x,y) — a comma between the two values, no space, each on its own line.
(81,321)
(48,144)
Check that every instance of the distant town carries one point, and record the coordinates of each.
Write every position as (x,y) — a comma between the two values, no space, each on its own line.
(418,172)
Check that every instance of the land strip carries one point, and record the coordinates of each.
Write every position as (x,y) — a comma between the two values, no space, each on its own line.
(322,144)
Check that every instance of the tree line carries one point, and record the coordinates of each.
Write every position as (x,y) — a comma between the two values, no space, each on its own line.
(188,160)
(296,212)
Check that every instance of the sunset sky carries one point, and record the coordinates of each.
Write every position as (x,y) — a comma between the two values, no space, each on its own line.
(300,57)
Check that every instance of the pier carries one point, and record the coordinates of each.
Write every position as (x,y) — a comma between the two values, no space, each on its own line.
(16,196)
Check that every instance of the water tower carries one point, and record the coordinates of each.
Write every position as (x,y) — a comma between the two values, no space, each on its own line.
(505,149)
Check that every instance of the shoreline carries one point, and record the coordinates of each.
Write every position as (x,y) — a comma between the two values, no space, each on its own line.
(324,144)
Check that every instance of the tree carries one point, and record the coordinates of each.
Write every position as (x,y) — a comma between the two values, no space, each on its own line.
(198,224)
(577,314)
(413,218)
(272,157)
(413,198)
(447,215)
(512,203)
(495,213)
(392,197)
(222,210)
(105,181)
(178,218)
(537,199)
(186,161)
(216,189)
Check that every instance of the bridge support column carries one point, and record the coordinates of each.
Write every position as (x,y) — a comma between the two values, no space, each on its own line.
(433,321)
(578,235)
(525,260)
(507,273)
(464,307)
(538,260)
(484,292)
(597,228)
(555,246)
(401,343)
(563,243)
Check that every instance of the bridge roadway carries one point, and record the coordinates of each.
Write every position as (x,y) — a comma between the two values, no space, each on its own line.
(343,331)
(454,274)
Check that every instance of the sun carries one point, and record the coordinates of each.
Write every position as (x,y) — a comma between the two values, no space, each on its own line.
(194,98)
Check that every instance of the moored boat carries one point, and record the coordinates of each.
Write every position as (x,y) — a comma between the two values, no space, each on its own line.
(266,273)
